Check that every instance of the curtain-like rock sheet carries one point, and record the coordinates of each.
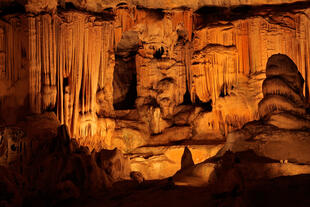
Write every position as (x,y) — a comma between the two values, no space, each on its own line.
(64,62)
(13,68)
(225,53)
(78,50)
(255,39)
(86,63)
(59,63)
(42,63)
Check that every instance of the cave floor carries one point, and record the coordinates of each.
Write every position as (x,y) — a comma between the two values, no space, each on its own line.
(282,191)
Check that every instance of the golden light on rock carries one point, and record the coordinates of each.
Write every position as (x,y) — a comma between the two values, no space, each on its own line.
(113,98)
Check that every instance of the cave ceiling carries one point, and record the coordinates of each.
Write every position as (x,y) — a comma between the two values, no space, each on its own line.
(37,6)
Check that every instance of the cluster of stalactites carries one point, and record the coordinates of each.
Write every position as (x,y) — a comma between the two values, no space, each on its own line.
(85,71)
(42,63)
(68,64)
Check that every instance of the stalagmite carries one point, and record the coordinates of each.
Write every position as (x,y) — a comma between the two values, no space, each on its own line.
(93,92)
(283,104)
(74,63)
(278,86)
(277,103)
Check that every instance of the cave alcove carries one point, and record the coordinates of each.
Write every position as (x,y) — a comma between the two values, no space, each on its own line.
(124,77)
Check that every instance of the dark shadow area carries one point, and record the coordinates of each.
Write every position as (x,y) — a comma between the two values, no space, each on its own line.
(125,75)
(158,53)
(11,8)
(207,106)
(187,98)
(211,15)
(124,84)
(157,14)
(107,14)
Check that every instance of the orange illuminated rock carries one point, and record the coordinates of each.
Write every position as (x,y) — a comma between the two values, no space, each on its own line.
(283,104)
(186,73)
(233,171)
(187,159)
(158,162)
(172,134)
(282,133)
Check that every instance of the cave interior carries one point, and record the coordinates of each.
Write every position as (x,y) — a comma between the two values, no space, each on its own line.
(148,103)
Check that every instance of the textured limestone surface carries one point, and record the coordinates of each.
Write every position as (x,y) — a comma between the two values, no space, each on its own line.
(274,146)
(159,162)
(211,94)
(134,76)
(138,77)
(101,5)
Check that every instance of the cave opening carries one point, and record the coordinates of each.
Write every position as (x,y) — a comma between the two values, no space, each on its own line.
(187,98)
(207,106)
(158,53)
(125,75)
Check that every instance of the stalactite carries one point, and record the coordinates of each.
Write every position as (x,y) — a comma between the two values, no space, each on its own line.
(34,64)
(2,54)
(70,60)
(49,91)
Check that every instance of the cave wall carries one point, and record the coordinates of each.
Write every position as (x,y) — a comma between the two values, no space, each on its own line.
(64,62)
(233,53)
(68,61)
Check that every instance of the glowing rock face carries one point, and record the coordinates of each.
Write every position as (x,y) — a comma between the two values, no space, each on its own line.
(283,104)
(280,133)
(204,81)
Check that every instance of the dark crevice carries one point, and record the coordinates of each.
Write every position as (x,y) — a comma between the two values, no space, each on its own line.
(12,8)
(129,100)
(105,15)
(157,14)
(81,97)
(158,53)
(224,91)
(207,106)
(70,6)
(125,75)
(65,82)
(187,98)
(124,83)
(152,102)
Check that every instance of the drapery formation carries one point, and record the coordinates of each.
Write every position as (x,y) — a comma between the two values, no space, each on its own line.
(64,62)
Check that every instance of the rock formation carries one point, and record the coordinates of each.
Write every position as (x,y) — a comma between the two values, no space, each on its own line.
(187,160)
(284,120)
(283,104)
(276,145)
(162,71)
(133,76)
(52,167)
(92,89)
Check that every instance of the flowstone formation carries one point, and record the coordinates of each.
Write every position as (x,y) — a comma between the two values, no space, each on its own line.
(274,146)
(283,104)
(283,129)
(134,75)
(93,92)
